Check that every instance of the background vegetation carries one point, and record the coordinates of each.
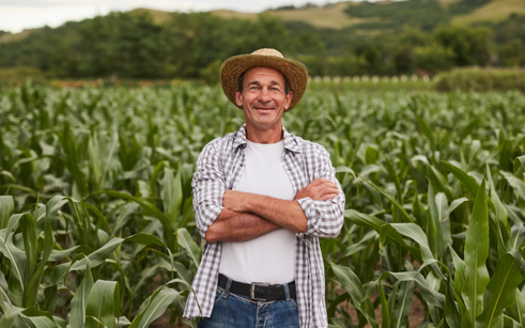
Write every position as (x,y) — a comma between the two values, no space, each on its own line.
(97,228)
(384,38)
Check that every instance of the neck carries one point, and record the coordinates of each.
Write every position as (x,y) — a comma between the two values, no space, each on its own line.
(264,136)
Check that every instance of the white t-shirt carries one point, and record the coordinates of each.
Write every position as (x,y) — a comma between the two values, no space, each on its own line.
(269,258)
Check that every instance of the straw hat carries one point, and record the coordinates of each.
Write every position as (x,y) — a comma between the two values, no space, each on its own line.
(295,72)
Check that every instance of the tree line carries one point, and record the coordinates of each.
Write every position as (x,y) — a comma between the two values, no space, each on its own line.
(193,45)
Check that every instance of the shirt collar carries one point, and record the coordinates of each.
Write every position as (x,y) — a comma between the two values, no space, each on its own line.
(289,139)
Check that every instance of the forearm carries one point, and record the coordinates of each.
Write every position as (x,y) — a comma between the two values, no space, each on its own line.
(233,226)
(285,213)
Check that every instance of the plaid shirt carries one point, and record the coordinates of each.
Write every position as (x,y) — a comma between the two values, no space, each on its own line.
(219,168)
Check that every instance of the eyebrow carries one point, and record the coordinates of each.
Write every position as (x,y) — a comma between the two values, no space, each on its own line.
(258,83)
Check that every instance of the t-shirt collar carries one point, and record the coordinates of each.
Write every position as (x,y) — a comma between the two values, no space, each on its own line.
(289,139)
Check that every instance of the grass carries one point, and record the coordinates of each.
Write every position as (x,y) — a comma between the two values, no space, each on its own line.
(331,16)
(495,10)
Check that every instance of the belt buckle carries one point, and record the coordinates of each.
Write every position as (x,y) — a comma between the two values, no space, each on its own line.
(252,293)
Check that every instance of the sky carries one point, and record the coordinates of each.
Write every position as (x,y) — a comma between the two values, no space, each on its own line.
(17,15)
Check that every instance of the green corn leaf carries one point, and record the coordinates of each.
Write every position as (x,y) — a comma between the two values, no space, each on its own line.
(127,212)
(385,309)
(500,218)
(519,166)
(335,303)
(57,255)
(154,177)
(149,207)
(171,194)
(362,244)
(102,304)
(10,315)
(7,208)
(31,316)
(403,301)
(363,219)
(360,298)
(466,180)
(517,310)
(438,181)
(476,253)
(394,176)
(39,318)
(430,295)
(434,231)
(516,183)
(156,306)
(455,204)
(389,233)
(517,236)
(54,205)
(414,232)
(501,289)
(18,261)
(50,298)
(459,267)
(77,314)
(144,276)
(419,211)
(186,241)
(71,159)
(444,211)
(427,131)
(394,202)
(452,312)
(146,239)
(28,228)
(35,279)
(502,215)
(99,256)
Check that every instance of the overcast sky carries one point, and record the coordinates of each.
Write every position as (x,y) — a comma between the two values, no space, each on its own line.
(17,15)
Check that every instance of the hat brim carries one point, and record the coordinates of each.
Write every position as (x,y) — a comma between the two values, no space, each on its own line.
(295,73)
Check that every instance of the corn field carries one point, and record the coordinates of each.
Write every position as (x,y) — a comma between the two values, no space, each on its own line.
(97,228)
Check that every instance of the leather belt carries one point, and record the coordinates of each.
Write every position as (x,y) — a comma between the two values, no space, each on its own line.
(258,292)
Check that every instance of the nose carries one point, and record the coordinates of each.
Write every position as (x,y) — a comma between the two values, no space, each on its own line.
(264,95)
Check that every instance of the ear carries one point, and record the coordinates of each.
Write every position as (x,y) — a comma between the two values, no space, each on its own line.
(288,100)
(239,99)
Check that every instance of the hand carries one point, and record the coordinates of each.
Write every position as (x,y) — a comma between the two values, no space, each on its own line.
(319,189)
(233,200)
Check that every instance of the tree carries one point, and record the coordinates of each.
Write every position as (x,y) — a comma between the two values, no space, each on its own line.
(469,45)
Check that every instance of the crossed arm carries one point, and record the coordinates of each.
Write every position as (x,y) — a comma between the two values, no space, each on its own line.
(246,216)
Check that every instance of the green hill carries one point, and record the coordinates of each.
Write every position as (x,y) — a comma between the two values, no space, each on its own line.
(496,10)
(330,16)
(339,15)
(345,38)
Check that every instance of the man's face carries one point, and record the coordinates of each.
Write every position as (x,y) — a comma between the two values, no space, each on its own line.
(264,98)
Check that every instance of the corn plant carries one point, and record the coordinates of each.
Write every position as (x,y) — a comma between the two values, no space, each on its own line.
(97,228)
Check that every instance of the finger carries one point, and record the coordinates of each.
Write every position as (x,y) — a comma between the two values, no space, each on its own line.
(328,196)
(328,186)
(319,181)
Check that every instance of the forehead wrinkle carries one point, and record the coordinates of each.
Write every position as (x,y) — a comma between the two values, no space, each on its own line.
(257,82)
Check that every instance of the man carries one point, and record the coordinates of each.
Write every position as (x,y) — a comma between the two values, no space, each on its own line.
(262,198)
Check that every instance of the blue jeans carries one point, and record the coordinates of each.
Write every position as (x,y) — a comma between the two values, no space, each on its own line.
(232,311)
